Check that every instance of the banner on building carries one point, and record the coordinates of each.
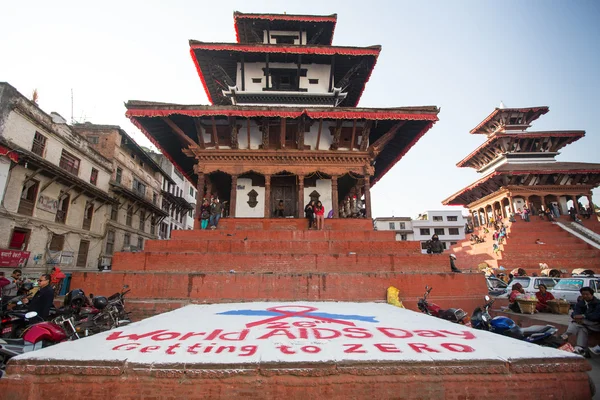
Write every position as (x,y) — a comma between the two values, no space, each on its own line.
(13,258)
(47,204)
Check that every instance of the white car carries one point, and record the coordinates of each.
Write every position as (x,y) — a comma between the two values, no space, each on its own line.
(568,288)
(531,284)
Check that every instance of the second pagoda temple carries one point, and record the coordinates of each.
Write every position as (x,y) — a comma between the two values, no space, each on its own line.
(283,124)
(519,168)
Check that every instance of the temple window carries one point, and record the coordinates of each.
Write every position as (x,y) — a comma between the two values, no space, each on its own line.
(252,195)
(285,39)
(314,196)
(285,79)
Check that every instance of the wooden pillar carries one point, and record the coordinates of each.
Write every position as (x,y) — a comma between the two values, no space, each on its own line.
(591,205)
(543,198)
(233,196)
(268,211)
(300,212)
(199,197)
(511,204)
(576,204)
(368,195)
(334,196)
(209,187)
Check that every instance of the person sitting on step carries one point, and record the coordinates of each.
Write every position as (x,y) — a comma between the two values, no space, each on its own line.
(586,318)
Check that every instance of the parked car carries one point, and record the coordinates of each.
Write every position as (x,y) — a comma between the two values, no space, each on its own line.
(496,287)
(568,288)
(531,284)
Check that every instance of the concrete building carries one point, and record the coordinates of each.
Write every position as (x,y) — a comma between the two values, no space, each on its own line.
(136,185)
(448,225)
(54,190)
(402,226)
(179,199)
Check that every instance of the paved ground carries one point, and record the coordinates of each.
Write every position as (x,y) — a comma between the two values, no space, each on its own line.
(595,374)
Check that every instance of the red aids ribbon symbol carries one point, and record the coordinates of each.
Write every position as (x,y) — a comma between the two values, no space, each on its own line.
(303,313)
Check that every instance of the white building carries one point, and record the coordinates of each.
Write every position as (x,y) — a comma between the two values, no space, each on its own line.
(448,225)
(53,186)
(402,226)
(179,199)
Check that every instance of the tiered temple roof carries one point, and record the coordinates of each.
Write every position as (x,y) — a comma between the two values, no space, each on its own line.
(513,157)
(173,127)
(283,80)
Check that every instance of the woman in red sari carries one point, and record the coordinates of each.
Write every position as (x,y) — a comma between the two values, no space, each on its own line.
(543,295)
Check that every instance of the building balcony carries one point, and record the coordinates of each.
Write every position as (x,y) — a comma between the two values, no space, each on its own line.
(57,174)
(137,198)
(177,202)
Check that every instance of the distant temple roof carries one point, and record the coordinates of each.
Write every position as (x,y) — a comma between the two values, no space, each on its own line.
(503,176)
(500,143)
(249,27)
(500,118)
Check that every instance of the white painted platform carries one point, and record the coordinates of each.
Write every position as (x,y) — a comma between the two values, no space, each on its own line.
(243,333)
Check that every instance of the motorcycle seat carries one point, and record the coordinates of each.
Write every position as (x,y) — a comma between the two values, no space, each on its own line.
(530,330)
(18,342)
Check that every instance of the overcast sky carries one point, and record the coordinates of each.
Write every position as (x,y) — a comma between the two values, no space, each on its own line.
(463,56)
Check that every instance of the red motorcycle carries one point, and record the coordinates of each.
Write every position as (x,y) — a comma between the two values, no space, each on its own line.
(38,336)
(456,315)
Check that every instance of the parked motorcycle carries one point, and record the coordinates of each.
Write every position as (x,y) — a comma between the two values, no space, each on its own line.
(116,308)
(37,336)
(456,315)
(538,334)
(79,316)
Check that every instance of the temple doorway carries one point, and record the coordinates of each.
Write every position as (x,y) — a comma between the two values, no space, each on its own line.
(284,188)
(219,185)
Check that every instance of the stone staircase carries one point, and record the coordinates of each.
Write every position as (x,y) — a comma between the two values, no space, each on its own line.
(562,250)
(469,255)
(278,259)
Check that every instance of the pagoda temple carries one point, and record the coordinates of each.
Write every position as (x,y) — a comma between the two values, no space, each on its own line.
(283,124)
(519,168)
